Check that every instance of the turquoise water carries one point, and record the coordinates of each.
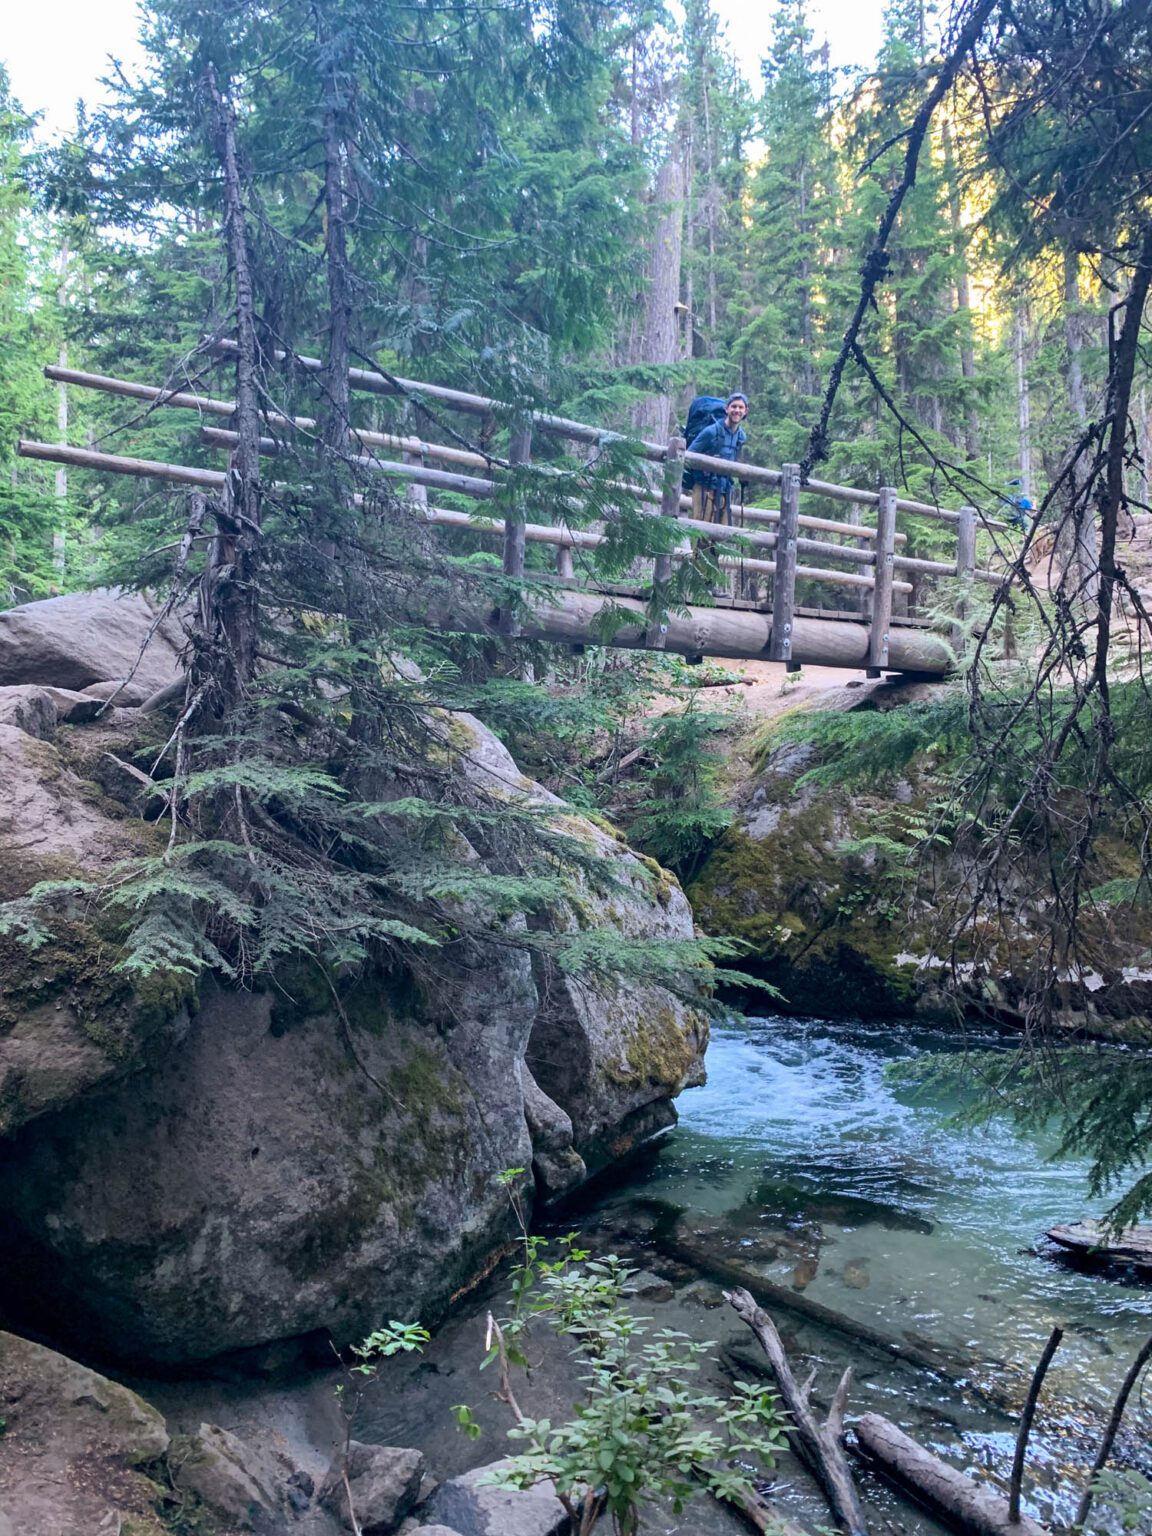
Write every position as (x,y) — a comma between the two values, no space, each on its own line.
(804,1160)
(903,1217)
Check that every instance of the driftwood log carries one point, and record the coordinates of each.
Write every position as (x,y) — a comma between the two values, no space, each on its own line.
(947,1492)
(1092,1242)
(818,1445)
(762,1515)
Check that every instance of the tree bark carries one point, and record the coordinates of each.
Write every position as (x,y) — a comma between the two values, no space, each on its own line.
(963,294)
(819,1445)
(1023,402)
(1113,500)
(660,340)
(1085,551)
(232,602)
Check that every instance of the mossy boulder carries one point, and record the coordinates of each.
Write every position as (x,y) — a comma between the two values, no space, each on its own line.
(75,1448)
(815,876)
(284,1166)
(822,926)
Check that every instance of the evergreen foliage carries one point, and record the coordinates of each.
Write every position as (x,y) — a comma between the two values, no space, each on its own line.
(683,814)
(1099,1111)
(466,195)
(30,514)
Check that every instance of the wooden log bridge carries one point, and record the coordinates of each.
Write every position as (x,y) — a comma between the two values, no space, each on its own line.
(781,561)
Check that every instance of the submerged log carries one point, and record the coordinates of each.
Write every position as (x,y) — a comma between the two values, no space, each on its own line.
(949,1493)
(818,1445)
(1092,1242)
(781,1298)
(762,1515)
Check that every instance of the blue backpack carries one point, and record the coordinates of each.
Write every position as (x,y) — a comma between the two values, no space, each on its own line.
(703,411)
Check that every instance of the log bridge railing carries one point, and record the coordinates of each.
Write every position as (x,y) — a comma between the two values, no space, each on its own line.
(783,543)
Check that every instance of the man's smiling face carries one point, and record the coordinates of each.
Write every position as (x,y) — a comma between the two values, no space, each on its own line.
(734,413)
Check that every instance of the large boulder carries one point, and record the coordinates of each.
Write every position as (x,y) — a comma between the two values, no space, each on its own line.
(71,1442)
(89,637)
(610,1050)
(268,1178)
(283,1166)
(812,875)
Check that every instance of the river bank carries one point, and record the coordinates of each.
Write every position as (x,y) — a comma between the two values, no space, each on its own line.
(802,1162)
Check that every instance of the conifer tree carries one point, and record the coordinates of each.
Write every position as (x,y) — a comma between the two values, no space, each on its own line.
(29,515)
(474,195)
(791,244)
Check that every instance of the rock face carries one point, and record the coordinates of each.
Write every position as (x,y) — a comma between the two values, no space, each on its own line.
(68,1022)
(187,1175)
(602,1049)
(256,1184)
(71,1442)
(90,637)
(843,929)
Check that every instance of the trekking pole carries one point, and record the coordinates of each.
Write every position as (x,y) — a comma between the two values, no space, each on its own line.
(743,588)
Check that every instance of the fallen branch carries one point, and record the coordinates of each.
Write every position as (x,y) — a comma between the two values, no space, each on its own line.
(943,1489)
(619,766)
(818,1445)
(761,1515)
(1026,1423)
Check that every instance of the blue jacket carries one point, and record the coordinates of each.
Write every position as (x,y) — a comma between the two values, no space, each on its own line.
(718,443)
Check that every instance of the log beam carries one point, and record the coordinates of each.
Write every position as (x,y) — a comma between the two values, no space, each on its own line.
(588,618)
(818,1445)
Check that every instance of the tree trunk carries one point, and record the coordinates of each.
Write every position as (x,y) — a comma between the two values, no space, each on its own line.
(660,341)
(1023,402)
(807,361)
(1113,501)
(337,387)
(232,602)
(1085,551)
(963,295)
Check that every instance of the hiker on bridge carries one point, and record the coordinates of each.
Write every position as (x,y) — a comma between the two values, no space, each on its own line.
(721,437)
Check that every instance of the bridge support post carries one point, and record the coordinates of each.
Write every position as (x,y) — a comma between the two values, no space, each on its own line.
(519,452)
(784,581)
(965,569)
(417,493)
(880,632)
(657,631)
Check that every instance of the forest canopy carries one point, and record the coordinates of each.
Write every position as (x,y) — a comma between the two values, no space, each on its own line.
(932,275)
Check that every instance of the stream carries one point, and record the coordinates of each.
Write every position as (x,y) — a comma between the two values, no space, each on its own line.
(803,1161)
(881,1207)
(807,1166)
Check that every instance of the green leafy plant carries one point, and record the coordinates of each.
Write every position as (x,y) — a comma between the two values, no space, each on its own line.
(1123,1502)
(393,1339)
(642,1429)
